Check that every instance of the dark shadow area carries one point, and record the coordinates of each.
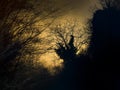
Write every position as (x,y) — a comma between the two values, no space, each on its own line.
(67,52)
(99,68)
(104,49)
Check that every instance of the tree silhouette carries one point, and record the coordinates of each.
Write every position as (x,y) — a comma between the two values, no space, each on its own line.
(105,31)
(68,52)
(69,41)
(105,48)
(19,34)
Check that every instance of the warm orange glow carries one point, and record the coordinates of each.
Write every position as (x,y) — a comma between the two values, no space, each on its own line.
(51,61)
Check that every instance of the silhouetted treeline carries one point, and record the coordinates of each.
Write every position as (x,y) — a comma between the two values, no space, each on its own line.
(17,35)
(99,68)
(105,48)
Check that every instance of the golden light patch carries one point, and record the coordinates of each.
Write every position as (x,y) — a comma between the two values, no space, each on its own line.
(51,62)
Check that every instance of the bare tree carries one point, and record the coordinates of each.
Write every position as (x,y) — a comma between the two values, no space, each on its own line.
(19,34)
(70,40)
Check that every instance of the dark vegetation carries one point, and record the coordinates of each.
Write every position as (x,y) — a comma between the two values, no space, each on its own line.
(14,46)
(105,48)
(67,52)
(97,69)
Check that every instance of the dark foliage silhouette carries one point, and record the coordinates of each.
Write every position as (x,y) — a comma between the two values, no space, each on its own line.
(18,35)
(99,68)
(105,48)
(67,52)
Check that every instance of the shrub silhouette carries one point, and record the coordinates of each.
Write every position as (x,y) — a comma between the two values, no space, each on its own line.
(67,52)
(105,48)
